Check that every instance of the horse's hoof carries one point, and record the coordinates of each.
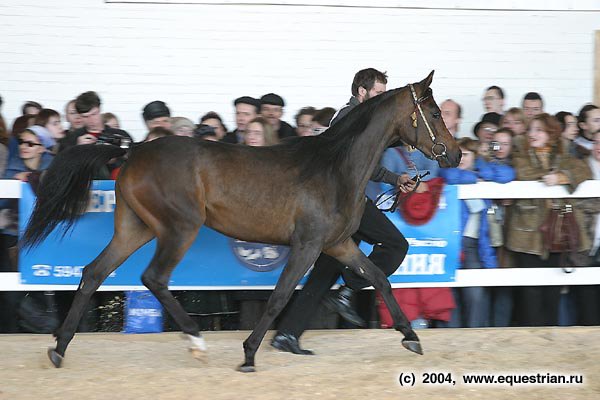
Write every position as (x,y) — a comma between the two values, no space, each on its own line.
(246,368)
(413,345)
(55,357)
(199,355)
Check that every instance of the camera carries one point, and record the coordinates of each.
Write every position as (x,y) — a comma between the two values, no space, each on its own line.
(115,139)
(204,130)
(494,146)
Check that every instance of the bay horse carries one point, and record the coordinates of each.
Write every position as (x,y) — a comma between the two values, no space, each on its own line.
(308,193)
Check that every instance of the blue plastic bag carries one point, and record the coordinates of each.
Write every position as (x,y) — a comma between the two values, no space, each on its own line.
(143,312)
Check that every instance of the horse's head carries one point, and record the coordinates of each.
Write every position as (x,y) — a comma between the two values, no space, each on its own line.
(421,125)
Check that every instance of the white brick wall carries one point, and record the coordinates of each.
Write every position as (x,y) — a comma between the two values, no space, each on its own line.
(199,58)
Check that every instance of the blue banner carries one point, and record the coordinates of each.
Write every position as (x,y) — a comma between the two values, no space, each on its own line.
(215,259)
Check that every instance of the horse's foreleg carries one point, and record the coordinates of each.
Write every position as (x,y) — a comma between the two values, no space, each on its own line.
(302,256)
(349,254)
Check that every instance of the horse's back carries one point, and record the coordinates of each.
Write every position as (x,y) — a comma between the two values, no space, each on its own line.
(245,192)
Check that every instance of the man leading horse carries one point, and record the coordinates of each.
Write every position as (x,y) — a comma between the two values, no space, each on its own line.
(389,245)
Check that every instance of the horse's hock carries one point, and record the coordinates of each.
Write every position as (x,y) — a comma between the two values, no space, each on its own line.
(349,364)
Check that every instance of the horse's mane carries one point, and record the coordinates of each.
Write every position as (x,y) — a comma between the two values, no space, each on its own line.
(326,152)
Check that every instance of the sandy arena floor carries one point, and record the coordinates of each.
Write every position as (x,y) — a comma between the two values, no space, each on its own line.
(350,364)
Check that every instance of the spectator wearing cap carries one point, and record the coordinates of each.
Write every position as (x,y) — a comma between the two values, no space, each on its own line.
(484,131)
(88,105)
(246,109)
(156,113)
(532,105)
(271,108)
(31,108)
(493,100)
(452,115)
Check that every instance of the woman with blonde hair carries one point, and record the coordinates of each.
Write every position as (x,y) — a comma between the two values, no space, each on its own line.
(260,133)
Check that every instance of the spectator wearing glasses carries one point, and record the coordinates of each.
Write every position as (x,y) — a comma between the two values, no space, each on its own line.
(484,130)
(32,157)
(493,100)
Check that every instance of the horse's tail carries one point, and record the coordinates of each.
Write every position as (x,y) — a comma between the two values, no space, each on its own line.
(63,193)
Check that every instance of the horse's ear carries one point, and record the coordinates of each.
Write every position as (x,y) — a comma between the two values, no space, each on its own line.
(427,81)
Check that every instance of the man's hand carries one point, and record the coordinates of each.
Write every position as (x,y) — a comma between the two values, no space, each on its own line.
(422,188)
(405,184)
(87,139)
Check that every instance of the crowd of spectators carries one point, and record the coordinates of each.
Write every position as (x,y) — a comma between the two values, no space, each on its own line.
(518,143)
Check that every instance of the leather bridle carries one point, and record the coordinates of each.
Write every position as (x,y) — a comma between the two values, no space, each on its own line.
(436,145)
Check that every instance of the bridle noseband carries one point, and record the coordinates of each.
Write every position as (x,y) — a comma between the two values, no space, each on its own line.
(417,102)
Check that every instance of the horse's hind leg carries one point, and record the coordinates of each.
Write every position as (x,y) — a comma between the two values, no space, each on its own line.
(130,235)
(349,254)
(171,247)
(302,256)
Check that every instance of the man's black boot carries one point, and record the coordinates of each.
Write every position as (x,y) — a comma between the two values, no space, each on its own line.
(288,342)
(341,303)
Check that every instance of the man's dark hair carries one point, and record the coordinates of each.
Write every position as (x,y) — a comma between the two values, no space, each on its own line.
(582,116)
(324,116)
(561,116)
(44,116)
(305,111)
(28,104)
(498,89)
(86,101)
(248,100)
(213,115)
(366,78)
(533,96)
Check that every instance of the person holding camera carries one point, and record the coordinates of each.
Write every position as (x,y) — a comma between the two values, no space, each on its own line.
(94,130)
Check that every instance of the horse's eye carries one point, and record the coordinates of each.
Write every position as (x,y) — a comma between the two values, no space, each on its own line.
(437,115)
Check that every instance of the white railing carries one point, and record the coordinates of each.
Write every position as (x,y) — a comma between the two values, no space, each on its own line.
(464,278)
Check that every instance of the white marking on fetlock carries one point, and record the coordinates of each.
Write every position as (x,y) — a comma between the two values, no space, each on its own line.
(197,343)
